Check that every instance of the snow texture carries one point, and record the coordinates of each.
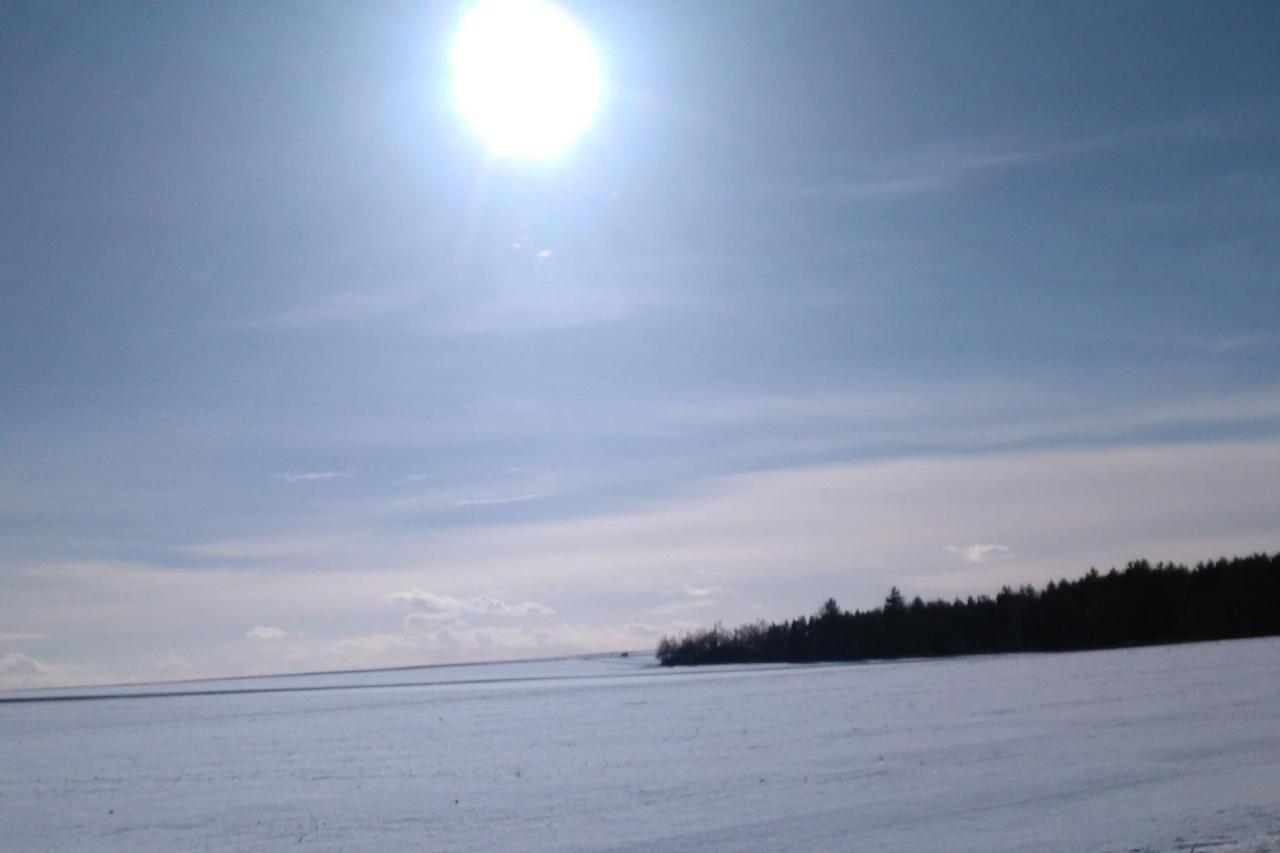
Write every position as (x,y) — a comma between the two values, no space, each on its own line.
(1173,748)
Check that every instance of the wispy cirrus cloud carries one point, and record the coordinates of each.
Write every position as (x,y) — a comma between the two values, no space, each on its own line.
(498,500)
(341,308)
(943,168)
(1244,342)
(523,293)
(949,166)
(977,417)
(312,476)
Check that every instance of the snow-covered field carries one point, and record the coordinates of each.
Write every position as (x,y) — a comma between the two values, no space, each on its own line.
(1159,749)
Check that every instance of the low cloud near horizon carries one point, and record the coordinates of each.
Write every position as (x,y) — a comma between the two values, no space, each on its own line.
(265,633)
(981,553)
(448,608)
(767,544)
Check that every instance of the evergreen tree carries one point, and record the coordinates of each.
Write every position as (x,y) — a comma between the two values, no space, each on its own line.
(1142,604)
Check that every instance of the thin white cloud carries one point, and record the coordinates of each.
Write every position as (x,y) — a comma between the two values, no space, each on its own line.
(431,620)
(337,309)
(503,302)
(567,305)
(453,643)
(943,169)
(498,500)
(174,666)
(975,416)
(946,167)
(312,476)
(981,553)
(17,663)
(22,638)
(444,607)
(690,599)
(1227,344)
(266,633)
(706,591)
(21,671)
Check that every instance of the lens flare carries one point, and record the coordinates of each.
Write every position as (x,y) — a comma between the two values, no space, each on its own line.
(525,77)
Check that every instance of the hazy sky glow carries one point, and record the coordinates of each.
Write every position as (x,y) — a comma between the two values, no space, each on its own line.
(295,373)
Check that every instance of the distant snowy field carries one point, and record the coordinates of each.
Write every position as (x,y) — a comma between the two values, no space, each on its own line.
(1158,749)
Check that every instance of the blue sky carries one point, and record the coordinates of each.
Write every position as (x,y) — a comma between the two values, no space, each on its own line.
(828,298)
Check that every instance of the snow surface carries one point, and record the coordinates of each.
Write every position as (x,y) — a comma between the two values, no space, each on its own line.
(1157,749)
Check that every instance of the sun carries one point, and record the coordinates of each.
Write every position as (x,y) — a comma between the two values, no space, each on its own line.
(525,77)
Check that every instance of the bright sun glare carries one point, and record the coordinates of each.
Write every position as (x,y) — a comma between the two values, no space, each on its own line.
(525,76)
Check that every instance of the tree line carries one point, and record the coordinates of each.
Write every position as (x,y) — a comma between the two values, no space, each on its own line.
(1141,605)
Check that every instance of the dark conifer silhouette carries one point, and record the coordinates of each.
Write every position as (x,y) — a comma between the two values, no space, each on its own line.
(1142,605)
